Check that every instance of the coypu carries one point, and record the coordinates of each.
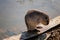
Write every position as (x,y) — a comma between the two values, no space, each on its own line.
(34,17)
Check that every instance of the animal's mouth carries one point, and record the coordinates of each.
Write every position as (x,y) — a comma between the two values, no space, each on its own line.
(39,27)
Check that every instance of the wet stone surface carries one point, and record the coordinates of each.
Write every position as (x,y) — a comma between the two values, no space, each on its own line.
(55,33)
(32,36)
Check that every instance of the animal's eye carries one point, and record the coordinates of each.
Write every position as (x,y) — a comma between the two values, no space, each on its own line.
(45,17)
(38,19)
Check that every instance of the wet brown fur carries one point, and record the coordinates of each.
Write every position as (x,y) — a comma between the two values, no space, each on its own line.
(34,17)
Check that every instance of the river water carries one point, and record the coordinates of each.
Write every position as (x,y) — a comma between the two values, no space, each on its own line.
(12,13)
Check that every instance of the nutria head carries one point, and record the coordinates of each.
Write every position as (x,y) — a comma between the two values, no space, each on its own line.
(34,17)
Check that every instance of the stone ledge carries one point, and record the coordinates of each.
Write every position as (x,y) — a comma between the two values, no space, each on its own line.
(52,23)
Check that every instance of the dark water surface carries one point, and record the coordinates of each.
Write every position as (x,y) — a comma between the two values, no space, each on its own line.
(12,13)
